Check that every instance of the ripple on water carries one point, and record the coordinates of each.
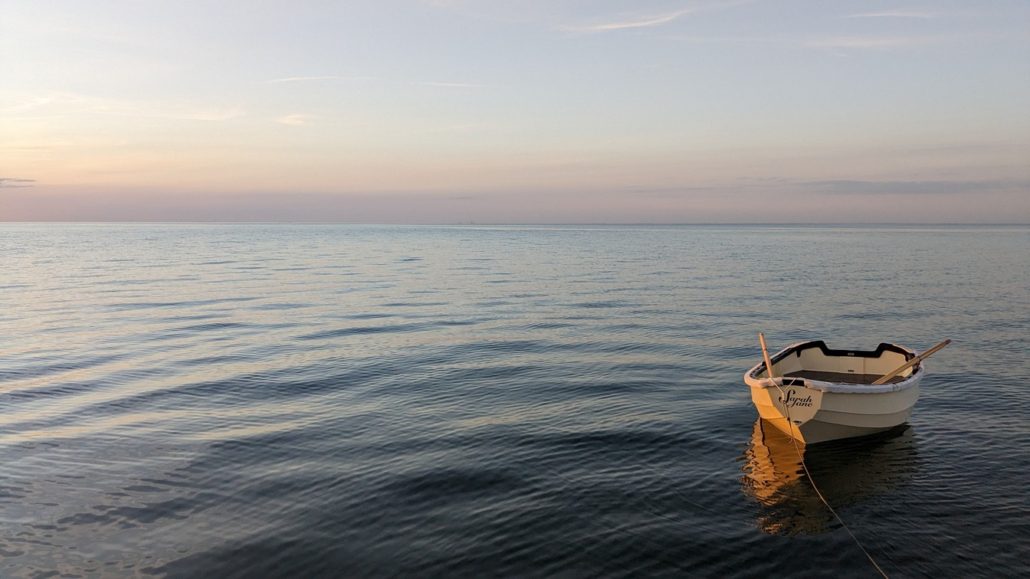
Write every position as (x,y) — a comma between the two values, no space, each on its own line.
(243,401)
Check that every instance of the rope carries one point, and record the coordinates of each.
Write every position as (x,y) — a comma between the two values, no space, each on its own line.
(801,457)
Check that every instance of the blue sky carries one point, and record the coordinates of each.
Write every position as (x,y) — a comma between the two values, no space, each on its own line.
(515,111)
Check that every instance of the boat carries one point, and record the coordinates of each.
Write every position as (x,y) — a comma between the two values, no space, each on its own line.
(816,394)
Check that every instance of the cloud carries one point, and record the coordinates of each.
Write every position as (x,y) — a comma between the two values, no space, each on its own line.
(205,115)
(638,22)
(651,20)
(857,187)
(472,127)
(56,104)
(15,183)
(302,78)
(895,14)
(316,78)
(295,119)
(50,99)
(872,42)
(443,84)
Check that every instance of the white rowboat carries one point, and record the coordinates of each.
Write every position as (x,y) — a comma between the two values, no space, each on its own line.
(830,394)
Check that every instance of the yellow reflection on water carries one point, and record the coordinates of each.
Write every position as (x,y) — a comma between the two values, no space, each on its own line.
(846,472)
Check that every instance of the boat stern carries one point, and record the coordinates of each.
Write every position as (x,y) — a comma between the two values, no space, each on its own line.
(789,407)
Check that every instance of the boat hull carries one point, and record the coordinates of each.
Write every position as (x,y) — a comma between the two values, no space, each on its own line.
(819,416)
(819,394)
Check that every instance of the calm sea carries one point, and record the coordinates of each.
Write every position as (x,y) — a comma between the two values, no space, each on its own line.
(273,400)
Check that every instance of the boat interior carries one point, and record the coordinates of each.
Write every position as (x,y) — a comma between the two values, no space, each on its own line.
(815,361)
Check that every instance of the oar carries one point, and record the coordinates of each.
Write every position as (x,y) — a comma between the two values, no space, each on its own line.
(765,354)
(912,362)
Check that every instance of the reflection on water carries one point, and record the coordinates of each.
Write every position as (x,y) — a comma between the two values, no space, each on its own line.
(377,401)
(846,472)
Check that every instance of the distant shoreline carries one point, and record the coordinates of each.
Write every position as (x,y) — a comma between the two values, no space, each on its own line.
(855,225)
(542,226)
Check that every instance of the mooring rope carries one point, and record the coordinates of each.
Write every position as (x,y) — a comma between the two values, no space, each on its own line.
(801,457)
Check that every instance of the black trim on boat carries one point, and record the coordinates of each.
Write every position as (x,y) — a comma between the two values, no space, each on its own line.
(796,350)
(883,347)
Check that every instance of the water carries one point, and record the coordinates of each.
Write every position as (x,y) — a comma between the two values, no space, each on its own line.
(258,400)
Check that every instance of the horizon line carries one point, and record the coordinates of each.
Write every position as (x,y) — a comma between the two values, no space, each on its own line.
(513,223)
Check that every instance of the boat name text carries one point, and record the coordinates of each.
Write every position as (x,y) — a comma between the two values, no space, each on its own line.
(792,400)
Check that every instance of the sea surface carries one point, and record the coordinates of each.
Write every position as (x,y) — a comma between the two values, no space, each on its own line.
(388,401)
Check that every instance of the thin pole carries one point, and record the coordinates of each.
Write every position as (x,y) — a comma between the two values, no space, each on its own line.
(765,354)
(912,362)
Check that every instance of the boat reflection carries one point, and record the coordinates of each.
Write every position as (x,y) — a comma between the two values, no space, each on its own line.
(846,472)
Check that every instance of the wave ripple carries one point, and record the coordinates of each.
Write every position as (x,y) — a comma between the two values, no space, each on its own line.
(241,401)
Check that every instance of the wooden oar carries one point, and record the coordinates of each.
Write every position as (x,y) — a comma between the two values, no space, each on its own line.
(765,354)
(911,363)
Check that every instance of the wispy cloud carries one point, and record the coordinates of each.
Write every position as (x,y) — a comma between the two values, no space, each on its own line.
(445,84)
(15,183)
(295,119)
(54,104)
(650,20)
(628,23)
(465,128)
(872,42)
(857,187)
(321,78)
(918,14)
(207,115)
(42,101)
(303,79)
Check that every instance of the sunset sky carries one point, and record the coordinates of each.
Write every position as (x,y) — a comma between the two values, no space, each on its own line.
(517,111)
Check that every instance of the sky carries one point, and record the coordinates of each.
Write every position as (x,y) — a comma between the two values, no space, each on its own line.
(515,111)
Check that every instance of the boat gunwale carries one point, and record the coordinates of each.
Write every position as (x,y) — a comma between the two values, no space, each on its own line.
(751,376)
